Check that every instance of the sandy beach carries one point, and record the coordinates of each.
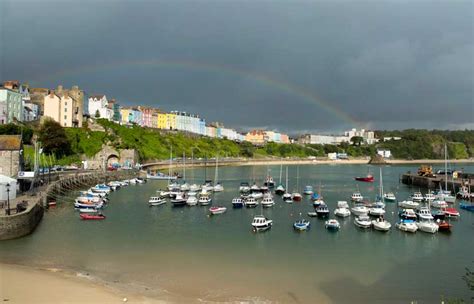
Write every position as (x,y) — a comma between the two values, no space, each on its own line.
(21,284)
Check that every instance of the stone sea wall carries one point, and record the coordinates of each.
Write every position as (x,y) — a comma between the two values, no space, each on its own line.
(21,224)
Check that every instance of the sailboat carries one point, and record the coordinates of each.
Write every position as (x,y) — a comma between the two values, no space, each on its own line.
(378,209)
(445,195)
(296,195)
(218,186)
(269,182)
(194,187)
(287,196)
(184,185)
(280,189)
(261,223)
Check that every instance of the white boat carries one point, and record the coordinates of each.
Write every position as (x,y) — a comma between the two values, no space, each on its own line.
(389,197)
(424,213)
(185,187)
(417,197)
(174,186)
(256,195)
(429,197)
(156,201)
(255,188)
(217,210)
(194,188)
(287,198)
(179,199)
(261,223)
(408,204)
(296,196)
(332,224)
(301,225)
(342,211)
(268,202)
(160,176)
(308,190)
(192,200)
(244,187)
(439,204)
(357,196)
(192,193)
(163,193)
(359,209)
(237,202)
(363,221)
(140,180)
(408,214)
(445,195)
(251,202)
(312,213)
(218,186)
(101,188)
(88,210)
(407,225)
(381,224)
(207,186)
(280,189)
(428,226)
(204,199)
(376,211)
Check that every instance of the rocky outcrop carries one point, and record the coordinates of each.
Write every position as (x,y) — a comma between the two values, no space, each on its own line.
(377,160)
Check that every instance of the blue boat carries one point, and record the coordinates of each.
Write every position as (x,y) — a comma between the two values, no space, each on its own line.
(301,225)
(466,206)
(308,190)
(315,196)
(237,202)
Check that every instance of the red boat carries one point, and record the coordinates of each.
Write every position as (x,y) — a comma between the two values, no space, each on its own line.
(451,212)
(92,216)
(444,226)
(368,179)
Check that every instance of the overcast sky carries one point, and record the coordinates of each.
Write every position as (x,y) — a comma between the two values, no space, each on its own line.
(285,65)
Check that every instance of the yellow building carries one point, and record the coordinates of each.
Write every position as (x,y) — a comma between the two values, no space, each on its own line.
(162,121)
(171,121)
(125,113)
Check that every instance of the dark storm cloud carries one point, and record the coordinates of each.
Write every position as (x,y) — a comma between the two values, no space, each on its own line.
(388,64)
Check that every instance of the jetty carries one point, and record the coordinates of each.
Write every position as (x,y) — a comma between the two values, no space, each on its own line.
(435,181)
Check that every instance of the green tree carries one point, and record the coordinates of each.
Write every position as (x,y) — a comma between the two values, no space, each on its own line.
(356,140)
(54,139)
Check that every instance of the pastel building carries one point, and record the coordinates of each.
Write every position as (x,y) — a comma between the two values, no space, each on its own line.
(211,131)
(256,137)
(98,107)
(162,121)
(114,109)
(146,116)
(11,105)
(125,115)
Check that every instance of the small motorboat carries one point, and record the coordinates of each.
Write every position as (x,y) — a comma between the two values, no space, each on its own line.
(359,209)
(332,224)
(408,204)
(317,203)
(316,196)
(101,188)
(444,226)
(296,196)
(156,201)
(429,197)
(244,187)
(369,178)
(192,200)
(174,186)
(417,197)
(268,202)
(312,213)
(251,202)
(163,193)
(179,200)
(357,197)
(88,210)
(308,190)
(256,195)
(424,213)
(451,212)
(261,223)
(207,186)
(381,224)
(389,197)
(427,226)
(86,216)
(407,214)
(237,202)
(377,209)
(287,198)
(301,225)
(255,188)
(280,190)
(342,209)
(218,187)
(322,210)
(269,182)
(439,204)
(407,225)
(204,199)
(438,214)
(217,210)
(184,187)
(466,206)
(363,221)
(194,188)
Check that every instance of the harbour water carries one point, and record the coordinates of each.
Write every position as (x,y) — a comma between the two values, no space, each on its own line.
(185,255)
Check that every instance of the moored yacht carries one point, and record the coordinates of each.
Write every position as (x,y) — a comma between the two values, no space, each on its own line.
(342,209)
(408,204)
(359,209)
(322,210)
(357,196)
(332,224)
(237,202)
(424,213)
(381,224)
(268,201)
(261,223)
(427,226)
(204,199)
(389,197)
(417,197)
(251,202)
(363,221)
(308,190)
(407,225)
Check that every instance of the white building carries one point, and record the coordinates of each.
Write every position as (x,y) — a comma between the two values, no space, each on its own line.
(368,136)
(384,153)
(315,139)
(7,191)
(100,104)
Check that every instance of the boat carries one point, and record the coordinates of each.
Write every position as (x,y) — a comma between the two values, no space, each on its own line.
(261,223)
(174,186)
(207,186)
(363,221)
(204,199)
(185,187)
(466,205)
(287,198)
(407,214)
(101,188)
(357,197)
(407,225)
(332,224)
(217,210)
(342,209)
(451,212)
(244,187)
(255,188)
(424,213)
(359,209)
(315,196)
(86,216)
(296,196)
(218,186)
(322,210)
(194,188)
(78,205)
(381,224)
(443,225)
(156,201)
(439,204)
(438,214)
(251,202)
(256,195)
(280,189)
(308,190)
(301,225)
(317,203)
(429,197)
(389,197)
(312,213)
(269,182)
(417,197)
(427,226)
(408,204)
(445,195)
(160,176)
(163,193)
(369,178)
(378,208)
(237,202)
(179,200)
(88,210)
(268,202)
(376,211)
(192,200)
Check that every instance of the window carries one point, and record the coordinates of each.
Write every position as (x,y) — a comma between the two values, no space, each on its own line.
(65,116)
(65,110)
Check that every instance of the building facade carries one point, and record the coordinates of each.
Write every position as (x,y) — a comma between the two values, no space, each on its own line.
(11,156)
(11,105)
(256,137)
(98,107)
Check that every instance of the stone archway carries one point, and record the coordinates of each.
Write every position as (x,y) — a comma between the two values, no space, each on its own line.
(112,160)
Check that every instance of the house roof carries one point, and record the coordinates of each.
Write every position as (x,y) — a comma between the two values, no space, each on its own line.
(98,96)
(10,142)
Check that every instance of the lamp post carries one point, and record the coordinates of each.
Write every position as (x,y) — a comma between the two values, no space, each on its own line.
(8,198)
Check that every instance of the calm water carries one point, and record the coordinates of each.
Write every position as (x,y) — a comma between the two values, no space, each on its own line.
(182,254)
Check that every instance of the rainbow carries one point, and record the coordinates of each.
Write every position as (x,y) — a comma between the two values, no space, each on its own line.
(303,94)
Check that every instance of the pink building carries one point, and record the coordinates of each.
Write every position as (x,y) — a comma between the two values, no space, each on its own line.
(147,116)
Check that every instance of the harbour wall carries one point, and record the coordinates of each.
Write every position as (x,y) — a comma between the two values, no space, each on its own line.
(23,223)
(454,185)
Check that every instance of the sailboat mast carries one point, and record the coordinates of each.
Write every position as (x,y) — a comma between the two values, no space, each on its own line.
(171,161)
(297,178)
(445,167)
(281,168)
(381,185)
(192,164)
(216,173)
(286,179)
(184,166)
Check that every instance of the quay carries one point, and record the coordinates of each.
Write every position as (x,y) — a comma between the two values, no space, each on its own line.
(434,182)
(27,210)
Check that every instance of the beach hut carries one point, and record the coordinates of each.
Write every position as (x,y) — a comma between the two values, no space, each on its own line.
(4,181)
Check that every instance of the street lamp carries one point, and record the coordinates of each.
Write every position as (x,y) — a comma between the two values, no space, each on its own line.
(8,198)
